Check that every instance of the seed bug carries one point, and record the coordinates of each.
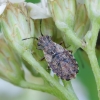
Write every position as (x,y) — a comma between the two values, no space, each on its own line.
(59,60)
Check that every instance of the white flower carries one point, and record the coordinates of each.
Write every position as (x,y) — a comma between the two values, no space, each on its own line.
(3,4)
(37,11)
(93,8)
(2,7)
(40,10)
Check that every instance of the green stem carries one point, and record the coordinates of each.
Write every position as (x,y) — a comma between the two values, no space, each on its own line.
(60,91)
(72,37)
(95,68)
(94,34)
(43,88)
(33,86)
(90,50)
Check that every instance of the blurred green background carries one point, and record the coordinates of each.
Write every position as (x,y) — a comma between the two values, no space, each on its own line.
(34,1)
(85,76)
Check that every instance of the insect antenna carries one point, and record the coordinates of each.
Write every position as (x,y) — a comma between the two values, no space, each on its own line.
(30,38)
(40,27)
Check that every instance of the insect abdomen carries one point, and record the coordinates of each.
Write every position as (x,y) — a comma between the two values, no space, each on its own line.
(64,65)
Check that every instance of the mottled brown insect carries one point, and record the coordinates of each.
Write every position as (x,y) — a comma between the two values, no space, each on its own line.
(59,59)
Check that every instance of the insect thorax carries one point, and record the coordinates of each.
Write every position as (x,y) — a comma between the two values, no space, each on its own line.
(45,43)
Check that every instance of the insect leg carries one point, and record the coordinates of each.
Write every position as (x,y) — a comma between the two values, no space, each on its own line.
(40,27)
(42,59)
(30,38)
(61,42)
(48,68)
(70,51)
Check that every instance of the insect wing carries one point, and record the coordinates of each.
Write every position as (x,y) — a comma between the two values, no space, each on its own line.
(64,65)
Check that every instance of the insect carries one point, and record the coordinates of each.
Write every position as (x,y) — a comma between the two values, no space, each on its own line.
(59,60)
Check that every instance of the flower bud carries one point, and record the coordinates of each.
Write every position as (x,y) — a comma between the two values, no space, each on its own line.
(44,26)
(63,12)
(16,25)
(93,8)
(10,64)
(82,22)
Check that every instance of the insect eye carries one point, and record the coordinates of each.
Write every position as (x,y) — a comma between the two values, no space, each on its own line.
(49,38)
